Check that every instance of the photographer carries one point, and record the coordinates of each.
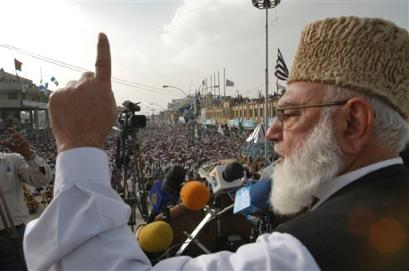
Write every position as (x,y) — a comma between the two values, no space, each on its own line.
(21,166)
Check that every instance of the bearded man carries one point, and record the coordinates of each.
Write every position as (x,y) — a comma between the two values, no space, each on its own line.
(340,127)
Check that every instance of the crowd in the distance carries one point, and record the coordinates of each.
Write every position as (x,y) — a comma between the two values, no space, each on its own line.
(165,147)
(162,148)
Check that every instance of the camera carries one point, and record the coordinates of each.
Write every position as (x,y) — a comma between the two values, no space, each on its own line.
(128,120)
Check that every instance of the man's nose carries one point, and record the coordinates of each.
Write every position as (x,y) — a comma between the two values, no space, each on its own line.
(275,132)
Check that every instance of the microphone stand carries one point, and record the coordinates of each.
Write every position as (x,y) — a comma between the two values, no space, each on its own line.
(211,215)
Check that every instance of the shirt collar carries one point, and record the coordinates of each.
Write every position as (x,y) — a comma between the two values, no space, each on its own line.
(328,188)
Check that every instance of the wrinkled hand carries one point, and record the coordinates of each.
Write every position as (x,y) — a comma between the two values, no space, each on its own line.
(83,113)
(17,143)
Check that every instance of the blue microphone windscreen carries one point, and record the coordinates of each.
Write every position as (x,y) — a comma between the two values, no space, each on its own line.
(260,193)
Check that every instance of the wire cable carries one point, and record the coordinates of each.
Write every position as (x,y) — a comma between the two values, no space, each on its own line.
(80,69)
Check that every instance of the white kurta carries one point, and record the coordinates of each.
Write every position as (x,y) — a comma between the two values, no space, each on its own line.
(85,228)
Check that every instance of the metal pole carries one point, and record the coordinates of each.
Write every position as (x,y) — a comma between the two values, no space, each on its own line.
(211,84)
(218,82)
(224,82)
(266,94)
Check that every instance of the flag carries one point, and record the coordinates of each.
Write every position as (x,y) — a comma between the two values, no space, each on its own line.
(54,80)
(281,68)
(229,83)
(42,88)
(17,65)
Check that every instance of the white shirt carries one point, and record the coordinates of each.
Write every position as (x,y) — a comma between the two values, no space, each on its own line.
(85,228)
(14,170)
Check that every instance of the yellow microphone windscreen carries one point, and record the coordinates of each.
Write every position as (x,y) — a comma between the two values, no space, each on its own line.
(194,195)
(156,236)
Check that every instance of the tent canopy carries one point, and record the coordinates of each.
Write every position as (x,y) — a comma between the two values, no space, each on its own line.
(254,145)
(258,135)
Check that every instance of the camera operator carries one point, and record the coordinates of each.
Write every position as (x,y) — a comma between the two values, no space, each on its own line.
(23,165)
(338,154)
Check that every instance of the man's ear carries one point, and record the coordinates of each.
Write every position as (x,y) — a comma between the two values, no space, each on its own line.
(354,125)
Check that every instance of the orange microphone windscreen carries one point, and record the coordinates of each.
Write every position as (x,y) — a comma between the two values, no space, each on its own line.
(194,195)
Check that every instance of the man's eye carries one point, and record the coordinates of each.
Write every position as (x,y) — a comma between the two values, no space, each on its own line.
(291,113)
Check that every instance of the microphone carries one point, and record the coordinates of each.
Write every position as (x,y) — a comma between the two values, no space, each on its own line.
(155,237)
(233,171)
(194,195)
(174,178)
(168,193)
(260,193)
(225,178)
(253,197)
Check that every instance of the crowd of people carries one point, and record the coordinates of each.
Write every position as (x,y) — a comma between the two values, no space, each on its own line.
(160,148)
(163,148)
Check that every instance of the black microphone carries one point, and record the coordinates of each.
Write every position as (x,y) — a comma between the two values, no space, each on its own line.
(233,171)
(174,178)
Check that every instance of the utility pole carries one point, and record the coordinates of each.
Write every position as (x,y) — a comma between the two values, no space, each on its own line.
(266,4)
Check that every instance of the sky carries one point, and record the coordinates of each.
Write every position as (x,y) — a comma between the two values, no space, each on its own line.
(167,42)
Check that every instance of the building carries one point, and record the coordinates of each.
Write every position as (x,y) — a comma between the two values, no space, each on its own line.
(233,111)
(22,105)
(229,111)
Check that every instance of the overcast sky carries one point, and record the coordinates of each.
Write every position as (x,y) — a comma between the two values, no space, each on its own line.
(172,42)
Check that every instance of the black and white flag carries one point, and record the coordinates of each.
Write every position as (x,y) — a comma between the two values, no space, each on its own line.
(281,70)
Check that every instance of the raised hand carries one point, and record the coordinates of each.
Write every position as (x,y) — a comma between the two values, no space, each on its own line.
(82,113)
(17,143)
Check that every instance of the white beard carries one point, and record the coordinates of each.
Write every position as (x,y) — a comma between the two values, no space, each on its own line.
(297,177)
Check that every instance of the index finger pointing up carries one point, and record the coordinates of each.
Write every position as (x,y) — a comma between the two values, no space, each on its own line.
(103,62)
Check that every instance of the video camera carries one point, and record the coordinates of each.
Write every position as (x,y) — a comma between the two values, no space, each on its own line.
(128,120)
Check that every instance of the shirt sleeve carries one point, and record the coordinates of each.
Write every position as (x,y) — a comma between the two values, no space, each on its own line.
(85,228)
(35,172)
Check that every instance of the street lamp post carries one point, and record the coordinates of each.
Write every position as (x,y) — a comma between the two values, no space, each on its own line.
(266,4)
(181,90)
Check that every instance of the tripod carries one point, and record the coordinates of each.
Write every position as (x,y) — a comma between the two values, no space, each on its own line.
(129,159)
